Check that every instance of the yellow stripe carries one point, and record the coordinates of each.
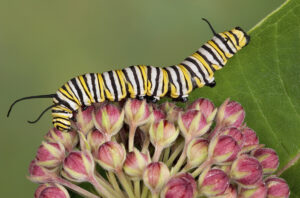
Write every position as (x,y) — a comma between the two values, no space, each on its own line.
(204,63)
(62,108)
(187,78)
(149,88)
(56,124)
(101,87)
(216,67)
(233,40)
(173,91)
(86,89)
(144,75)
(218,50)
(166,82)
(59,115)
(71,92)
(66,94)
(122,82)
(198,82)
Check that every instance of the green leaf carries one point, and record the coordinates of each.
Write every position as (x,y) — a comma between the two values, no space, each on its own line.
(265,78)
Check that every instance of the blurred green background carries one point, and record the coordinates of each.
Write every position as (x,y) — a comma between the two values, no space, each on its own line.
(45,43)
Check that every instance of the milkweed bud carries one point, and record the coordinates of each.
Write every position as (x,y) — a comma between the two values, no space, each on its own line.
(163,133)
(84,119)
(206,107)
(230,192)
(250,140)
(95,138)
(156,116)
(39,174)
(50,154)
(235,133)
(193,123)
(223,149)
(155,176)
(230,114)
(108,119)
(78,166)
(137,112)
(135,163)
(277,187)
(111,156)
(181,185)
(68,139)
(213,182)
(56,191)
(268,159)
(196,152)
(259,192)
(41,188)
(246,171)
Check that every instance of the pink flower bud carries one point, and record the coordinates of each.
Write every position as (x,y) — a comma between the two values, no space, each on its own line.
(246,171)
(95,138)
(181,185)
(137,112)
(235,133)
(250,140)
(135,164)
(50,154)
(277,187)
(108,119)
(68,139)
(223,149)
(56,191)
(84,119)
(163,133)
(41,174)
(196,152)
(78,166)
(268,159)
(230,192)
(111,156)
(213,182)
(156,116)
(41,188)
(230,114)
(155,176)
(259,192)
(206,107)
(193,124)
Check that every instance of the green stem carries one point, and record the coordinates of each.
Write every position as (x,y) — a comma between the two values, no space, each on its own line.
(181,159)
(137,189)
(146,143)
(196,172)
(166,154)
(107,186)
(132,129)
(144,191)
(175,154)
(126,185)
(114,182)
(100,188)
(157,153)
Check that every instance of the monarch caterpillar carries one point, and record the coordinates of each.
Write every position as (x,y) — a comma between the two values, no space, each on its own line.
(141,81)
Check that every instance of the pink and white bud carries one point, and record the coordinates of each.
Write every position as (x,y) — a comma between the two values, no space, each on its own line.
(78,166)
(181,185)
(246,171)
(50,154)
(155,176)
(95,138)
(156,116)
(250,140)
(68,139)
(193,123)
(197,151)
(56,191)
(111,156)
(223,149)
(163,133)
(277,188)
(268,159)
(84,119)
(137,112)
(259,192)
(212,182)
(136,163)
(235,133)
(41,188)
(108,119)
(205,106)
(231,192)
(39,174)
(230,114)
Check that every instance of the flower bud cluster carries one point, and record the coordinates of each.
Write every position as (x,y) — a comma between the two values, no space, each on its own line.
(150,150)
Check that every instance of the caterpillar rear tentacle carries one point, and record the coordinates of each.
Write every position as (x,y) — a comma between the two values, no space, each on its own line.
(140,81)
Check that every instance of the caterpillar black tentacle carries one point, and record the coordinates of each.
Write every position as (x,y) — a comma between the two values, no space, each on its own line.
(141,81)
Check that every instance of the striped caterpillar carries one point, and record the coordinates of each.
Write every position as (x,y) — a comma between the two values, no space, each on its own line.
(141,81)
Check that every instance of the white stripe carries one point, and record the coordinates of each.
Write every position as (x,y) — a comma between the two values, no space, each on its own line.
(174,79)
(194,68)
(182,79)
(73,89)
(67,100)
(221,45)
(208,56)
(216,54)
(97,87)
(86,100)
(90,85)
(140,81)
(160,83)
(108,83)
(117,82)
(153,77)
(131,80)
(201,67)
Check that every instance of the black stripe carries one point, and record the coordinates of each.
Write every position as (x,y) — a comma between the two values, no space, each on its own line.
(136,80)
(127,80)
(93,77)
(78,90)
(192,74)
(219,48)
(207,61)
(64,88)
(113,84)
(60,111)
(170,80)
(158,73)
(178,80)
(235,37)
(84,89)
(225,43)
(230,40)
(198,67)
(66,125)
(149,73)
(56,117)
(60,101)
(213,54)
(119,79)
(106,87)
(87,85)
(186,80)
